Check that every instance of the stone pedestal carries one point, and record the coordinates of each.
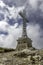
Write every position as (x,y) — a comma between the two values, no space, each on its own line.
(23,43)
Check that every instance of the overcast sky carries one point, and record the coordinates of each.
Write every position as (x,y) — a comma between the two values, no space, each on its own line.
(11,22)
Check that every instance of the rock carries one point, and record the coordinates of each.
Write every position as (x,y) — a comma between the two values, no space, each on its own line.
(24,57)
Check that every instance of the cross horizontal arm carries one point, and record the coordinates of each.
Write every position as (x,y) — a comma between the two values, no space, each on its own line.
(23,16)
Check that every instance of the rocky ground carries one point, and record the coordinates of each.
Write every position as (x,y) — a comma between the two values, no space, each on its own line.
(24,57)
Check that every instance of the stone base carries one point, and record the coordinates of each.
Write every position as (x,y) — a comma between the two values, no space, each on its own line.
(23,43)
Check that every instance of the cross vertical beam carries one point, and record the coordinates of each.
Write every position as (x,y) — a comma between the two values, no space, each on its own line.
(23,15)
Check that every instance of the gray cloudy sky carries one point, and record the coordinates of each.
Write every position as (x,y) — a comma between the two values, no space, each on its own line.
(10,22)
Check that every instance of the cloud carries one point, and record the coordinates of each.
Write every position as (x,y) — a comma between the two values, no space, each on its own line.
(12,13)
(1,16)
(10,39)
(9,13)
(14,2)
(3,26)
(33,3)
(34,33)
(2,4)
(34,12)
